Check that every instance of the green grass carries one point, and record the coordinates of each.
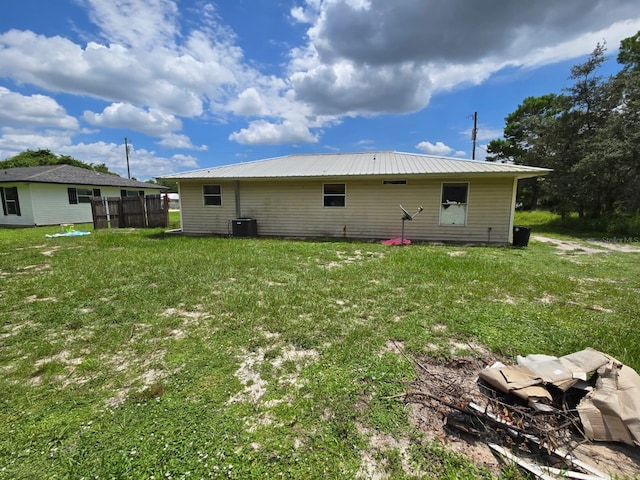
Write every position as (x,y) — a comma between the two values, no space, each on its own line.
(134,354)
(623,228)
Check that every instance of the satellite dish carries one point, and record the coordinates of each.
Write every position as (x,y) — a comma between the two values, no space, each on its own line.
(407,215)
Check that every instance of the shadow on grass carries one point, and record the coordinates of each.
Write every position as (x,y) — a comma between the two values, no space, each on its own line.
(542,221)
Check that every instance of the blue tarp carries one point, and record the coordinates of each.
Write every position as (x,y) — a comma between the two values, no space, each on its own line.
(68,234)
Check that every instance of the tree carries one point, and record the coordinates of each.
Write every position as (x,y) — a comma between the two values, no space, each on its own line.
(37,158)
(523,142)
(629,53)
(171,184)
(589,136)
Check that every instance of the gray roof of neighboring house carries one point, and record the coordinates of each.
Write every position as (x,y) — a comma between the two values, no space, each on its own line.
(358,164)
(68,174)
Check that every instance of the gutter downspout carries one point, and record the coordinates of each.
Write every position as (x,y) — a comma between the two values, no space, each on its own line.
(237,194)
(514,193)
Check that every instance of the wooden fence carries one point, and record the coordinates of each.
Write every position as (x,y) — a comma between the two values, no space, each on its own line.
(148,211)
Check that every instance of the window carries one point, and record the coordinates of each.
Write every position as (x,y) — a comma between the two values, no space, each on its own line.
(334,194)
(10,203)
(132,193)
(453,207)
(82,195)
(212,194)
(85,195)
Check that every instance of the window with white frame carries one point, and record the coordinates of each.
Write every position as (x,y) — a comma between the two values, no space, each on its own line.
(334,194)
(82,195)
(10,202)
(453,204)
(212,194)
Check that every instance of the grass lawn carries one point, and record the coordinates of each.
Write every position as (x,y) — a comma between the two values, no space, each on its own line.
(134,354)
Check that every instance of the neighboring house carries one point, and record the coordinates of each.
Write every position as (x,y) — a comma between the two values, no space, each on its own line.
(56,194)
(174,201)
(356,195)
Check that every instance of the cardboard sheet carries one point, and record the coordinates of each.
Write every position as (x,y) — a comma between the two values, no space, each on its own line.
(610,412)
(518,380)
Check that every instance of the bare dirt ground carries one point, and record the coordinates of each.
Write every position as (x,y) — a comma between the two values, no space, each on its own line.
(588,247)
(444,387)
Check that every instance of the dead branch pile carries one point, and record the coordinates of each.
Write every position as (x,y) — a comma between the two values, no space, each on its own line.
(448,399)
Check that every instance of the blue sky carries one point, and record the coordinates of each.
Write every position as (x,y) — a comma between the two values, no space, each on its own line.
(194,84)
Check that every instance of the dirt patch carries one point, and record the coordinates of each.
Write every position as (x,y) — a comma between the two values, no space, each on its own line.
(371,467)
(51,251)
(33,269)
(189,317)
(444,386)
(255,387)
(35,298)
(616,246)
(358,256)
(569,247)
(588,247)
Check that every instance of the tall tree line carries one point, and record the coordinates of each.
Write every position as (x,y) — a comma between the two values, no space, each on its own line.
(589,135)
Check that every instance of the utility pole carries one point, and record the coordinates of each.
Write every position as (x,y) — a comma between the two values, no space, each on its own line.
(126,151)
(474,134)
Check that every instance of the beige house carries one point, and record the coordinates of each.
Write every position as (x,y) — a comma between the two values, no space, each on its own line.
(355,195)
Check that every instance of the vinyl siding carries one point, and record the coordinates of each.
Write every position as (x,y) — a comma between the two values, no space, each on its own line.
(200,219)
(295,208)
(26,211)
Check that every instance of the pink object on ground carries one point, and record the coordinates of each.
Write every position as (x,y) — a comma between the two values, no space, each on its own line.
(396,241)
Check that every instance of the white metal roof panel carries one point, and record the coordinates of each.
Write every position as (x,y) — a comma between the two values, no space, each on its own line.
(356,164)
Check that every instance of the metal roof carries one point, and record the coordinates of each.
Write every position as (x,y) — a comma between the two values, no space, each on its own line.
(357,164)
(68,174)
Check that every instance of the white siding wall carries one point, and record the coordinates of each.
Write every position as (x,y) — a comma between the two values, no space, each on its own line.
(295,208)
(26,211)
(51,203)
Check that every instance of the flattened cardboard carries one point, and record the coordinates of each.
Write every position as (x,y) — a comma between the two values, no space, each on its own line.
(564,372)
(518,380)
(611,412)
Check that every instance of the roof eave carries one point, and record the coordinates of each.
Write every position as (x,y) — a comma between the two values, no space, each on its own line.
(511,174)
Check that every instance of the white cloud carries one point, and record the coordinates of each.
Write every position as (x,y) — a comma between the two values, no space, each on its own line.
(33,111)
(438,148)
(177,141)
(185,161)
(151,122)
(16,140)
(262,132)
(143,23)
(111,73)
(487,133)
(249,103)
(299,15)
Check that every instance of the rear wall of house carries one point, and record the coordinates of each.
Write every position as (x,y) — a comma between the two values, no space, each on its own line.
(295,208)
